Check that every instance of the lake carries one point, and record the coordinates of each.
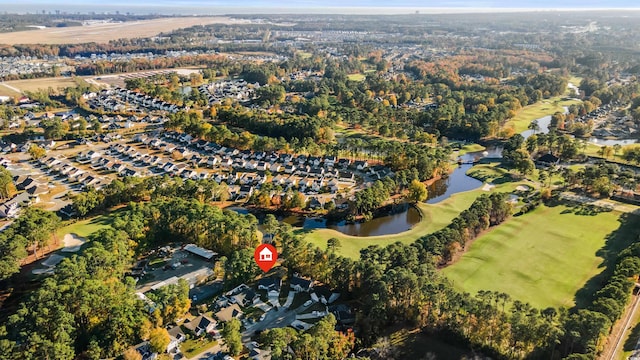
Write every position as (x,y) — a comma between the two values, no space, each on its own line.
(384,225)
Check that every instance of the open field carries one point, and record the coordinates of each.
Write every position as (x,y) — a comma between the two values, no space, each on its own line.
(549,257)
(8,90)
(356,77)
(101,33)
(84,228)
(36,84)
(434,217)
(529,113)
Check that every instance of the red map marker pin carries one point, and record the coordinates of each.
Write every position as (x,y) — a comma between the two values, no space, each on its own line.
(265,256)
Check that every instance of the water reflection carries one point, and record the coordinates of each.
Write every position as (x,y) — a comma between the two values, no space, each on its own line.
(611,142)
(384,225)
(457,181)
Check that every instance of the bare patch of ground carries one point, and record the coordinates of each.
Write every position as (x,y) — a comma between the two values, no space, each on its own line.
(105,32)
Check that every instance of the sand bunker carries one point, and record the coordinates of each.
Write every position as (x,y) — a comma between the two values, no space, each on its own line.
(42,271)
(50,263)
(72,243)
(523,188)
(53,260)
(488,187)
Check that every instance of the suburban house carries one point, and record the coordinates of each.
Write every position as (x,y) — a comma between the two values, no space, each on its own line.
(177,336)
(245,298)
(330,161)
(232,311)
(201,325)
(271,285)
(11,207)
(258,354)
(346,176)
(343,314)
(324,295)
(300,284)
(361,165)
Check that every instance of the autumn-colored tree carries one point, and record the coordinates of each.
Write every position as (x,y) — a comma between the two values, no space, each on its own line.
(159,340)
(132,354)
(36,152)
(417,192)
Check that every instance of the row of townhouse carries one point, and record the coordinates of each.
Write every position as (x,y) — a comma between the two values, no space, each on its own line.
(218,91)
(252,160)
(63,167)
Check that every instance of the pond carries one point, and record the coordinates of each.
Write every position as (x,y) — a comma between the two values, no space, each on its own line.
(457,181)
(384,225)
(611,142)
(543,123)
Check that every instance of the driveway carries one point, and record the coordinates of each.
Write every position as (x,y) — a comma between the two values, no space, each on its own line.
(273,319)
(209,353)
(289,301)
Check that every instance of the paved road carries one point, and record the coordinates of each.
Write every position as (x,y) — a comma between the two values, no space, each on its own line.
(273,319)
(611,353)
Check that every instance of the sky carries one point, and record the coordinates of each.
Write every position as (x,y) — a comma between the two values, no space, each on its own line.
(355,3)
(204,6)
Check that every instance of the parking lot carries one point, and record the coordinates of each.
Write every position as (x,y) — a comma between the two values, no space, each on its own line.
(177,264)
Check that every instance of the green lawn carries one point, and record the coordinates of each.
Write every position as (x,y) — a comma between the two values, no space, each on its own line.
(593,149)
(356,77)
(193,347)
(434,217)
(469,148)
(491,172)
(86,227)
(540,109)
(304,54)
(544,257)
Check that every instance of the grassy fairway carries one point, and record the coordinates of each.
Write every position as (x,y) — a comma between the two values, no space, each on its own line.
(593,150)
(356,77)
(469,148)
(434,217)
(86,227)
(544,257)
(529,113)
